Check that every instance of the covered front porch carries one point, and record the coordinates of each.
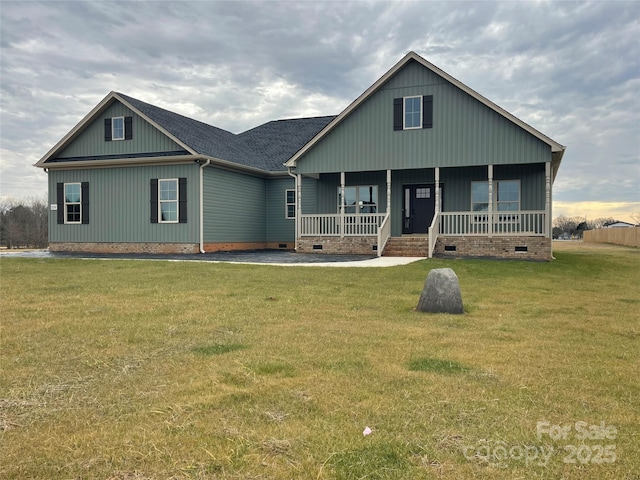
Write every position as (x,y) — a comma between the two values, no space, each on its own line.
(429,204)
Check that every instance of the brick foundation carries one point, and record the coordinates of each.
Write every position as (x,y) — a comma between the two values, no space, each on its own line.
(234,246)
(169,248)
(142,247)
(338,245)
(528,248)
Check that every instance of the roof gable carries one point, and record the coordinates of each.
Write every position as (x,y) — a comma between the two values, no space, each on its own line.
(114,104)
(90,143)
(263,148)
(435,73)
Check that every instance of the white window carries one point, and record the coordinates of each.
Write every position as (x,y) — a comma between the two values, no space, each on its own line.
(72,203)
(290,204)
(117,128)
(359,199)
(412,112)
(423,192)
(506,196)
(168,200)
(479,196)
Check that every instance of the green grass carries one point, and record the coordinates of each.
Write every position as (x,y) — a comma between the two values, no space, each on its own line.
(140,369)
(436,365)
(218,348)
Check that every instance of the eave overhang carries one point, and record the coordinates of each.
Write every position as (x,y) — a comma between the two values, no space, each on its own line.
(121,162)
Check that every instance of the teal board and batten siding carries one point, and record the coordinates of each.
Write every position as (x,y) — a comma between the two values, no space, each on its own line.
(119,205)
(234,207)
(146,138)
(279,227)
(310,205)
(465,133)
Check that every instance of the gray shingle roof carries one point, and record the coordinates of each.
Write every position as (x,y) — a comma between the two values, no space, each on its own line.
(265,147)
(277,141)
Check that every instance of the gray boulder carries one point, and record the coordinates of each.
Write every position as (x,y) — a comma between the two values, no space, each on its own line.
(441,293)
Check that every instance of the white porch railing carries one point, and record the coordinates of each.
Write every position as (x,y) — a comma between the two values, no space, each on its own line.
(384,232)
(517,223)
(336,225)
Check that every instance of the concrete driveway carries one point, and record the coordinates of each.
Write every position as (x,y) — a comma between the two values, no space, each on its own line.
(254,257)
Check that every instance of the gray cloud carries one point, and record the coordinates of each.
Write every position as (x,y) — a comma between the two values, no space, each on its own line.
(571,70)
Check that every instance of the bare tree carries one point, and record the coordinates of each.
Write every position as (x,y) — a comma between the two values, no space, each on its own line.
(600,222)
(23,223)
(566,226)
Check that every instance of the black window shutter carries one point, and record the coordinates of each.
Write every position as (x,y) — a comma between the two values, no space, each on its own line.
(427,111)
(107,129)
(60,202)
(128,128)
(154,200)
(397,114)
(182,200)
(84,186)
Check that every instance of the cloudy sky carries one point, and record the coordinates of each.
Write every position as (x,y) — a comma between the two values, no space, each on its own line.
(570,69)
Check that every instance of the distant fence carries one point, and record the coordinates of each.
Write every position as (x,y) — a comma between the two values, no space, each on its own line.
(629,236)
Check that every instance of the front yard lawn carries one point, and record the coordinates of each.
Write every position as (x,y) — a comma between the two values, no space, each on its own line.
(143,369)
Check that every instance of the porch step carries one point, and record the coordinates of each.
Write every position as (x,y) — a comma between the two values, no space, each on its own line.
(413,246)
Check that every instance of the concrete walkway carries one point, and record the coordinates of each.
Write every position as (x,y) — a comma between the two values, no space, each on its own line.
(256,257)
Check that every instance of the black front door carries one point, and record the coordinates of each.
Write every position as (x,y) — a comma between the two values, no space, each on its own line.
(418,208)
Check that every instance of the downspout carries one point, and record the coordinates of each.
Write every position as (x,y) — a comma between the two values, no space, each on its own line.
(202,204)
(548,205)
(295,230)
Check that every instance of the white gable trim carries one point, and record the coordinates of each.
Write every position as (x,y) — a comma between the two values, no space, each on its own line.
(555,146)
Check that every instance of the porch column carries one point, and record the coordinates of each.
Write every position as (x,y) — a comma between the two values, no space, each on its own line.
(388,192)
(298,207)
(342,204)
(490,206)
(437,192)
(547,199)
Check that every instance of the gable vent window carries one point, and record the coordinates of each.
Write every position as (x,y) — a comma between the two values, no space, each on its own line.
(413,113)
(118,128)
